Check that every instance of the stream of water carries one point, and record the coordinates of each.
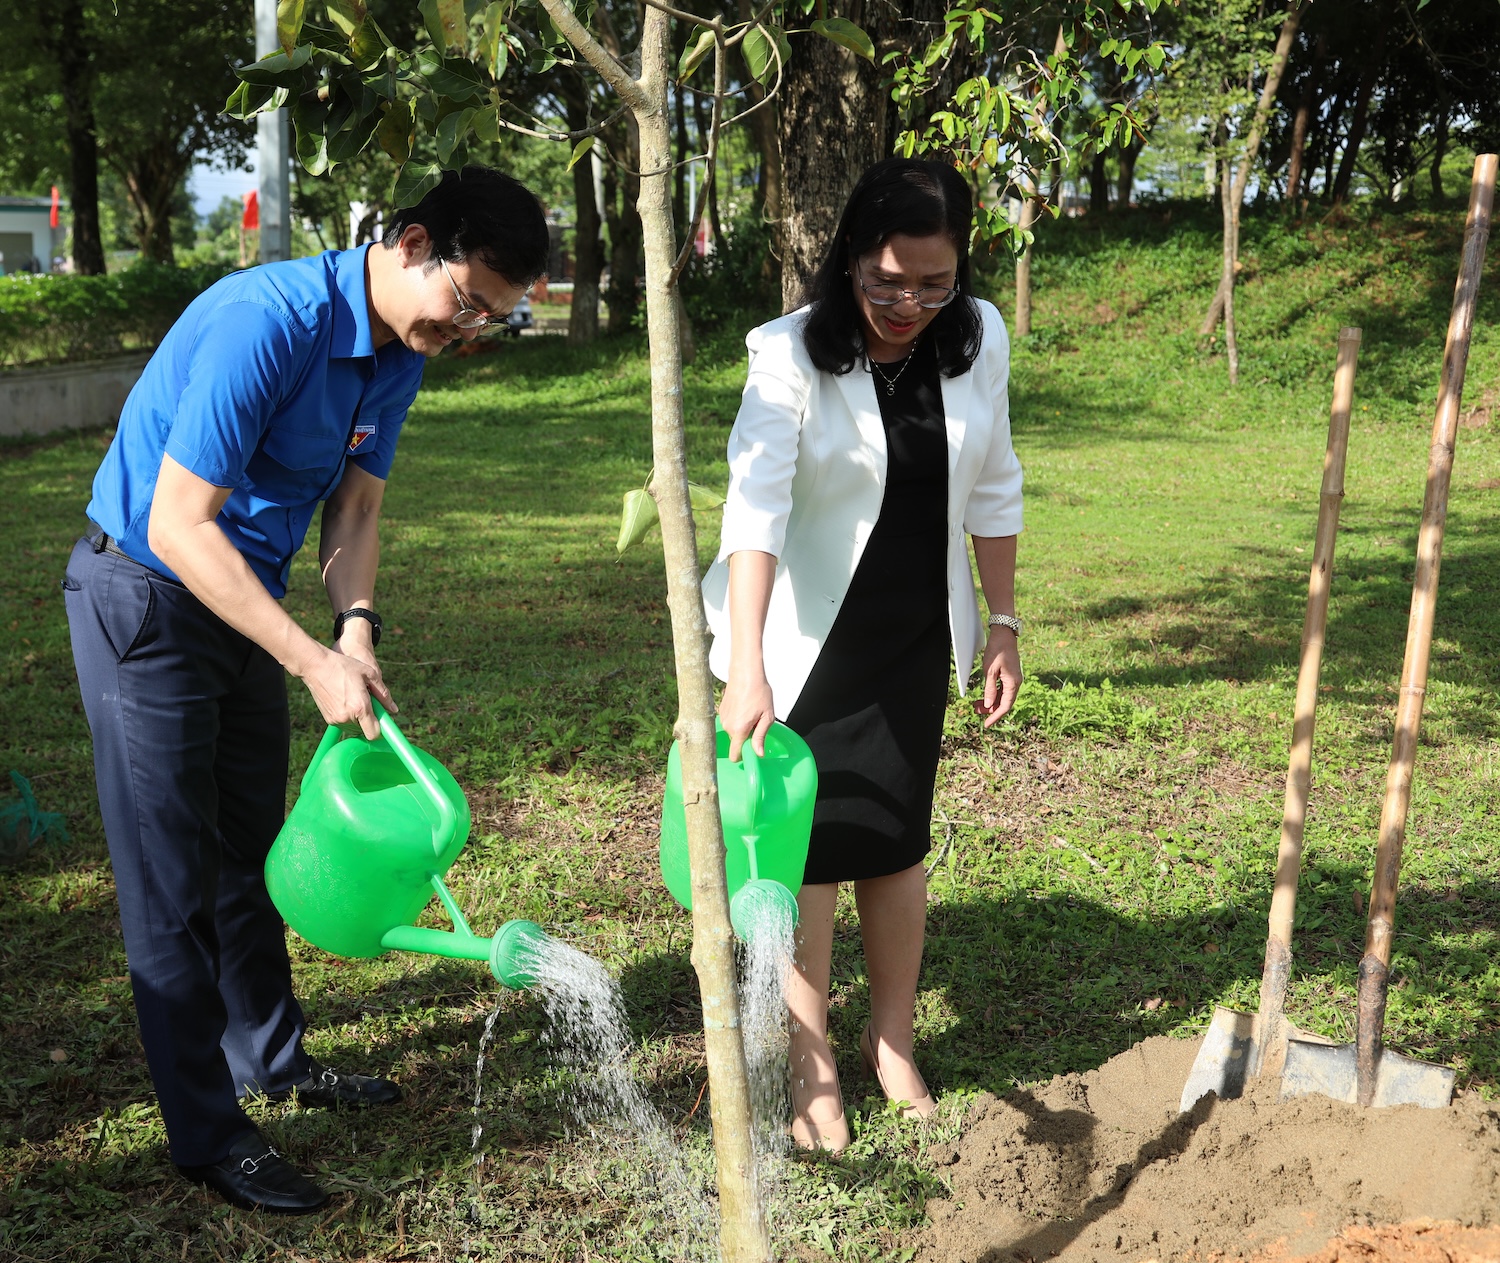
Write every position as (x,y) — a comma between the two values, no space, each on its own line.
(589,1038)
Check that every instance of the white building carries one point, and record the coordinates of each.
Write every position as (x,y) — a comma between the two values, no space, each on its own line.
(28,242)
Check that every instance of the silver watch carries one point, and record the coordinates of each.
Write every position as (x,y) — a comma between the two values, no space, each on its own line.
(1006,620)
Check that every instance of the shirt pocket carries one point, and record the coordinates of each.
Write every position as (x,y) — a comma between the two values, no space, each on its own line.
(295,467)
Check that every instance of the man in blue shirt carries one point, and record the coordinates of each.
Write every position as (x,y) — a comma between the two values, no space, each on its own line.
(278,389)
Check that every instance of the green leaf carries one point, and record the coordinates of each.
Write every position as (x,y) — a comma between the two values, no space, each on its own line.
(312,147)
(547,32)
(289,15)
(444,20)
(452,77)
(250,99)
(1155,56)
(347,15)
(451,130)
(414,182)
(486,124)
(694,53)
(584,146)
(637,516)
(844,33)
(278,70)
(495,51)
(368,44)
(354,137)
(759,55)
(704,497)
(394,132)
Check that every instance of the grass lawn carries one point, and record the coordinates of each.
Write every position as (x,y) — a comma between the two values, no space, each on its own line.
(1102,865)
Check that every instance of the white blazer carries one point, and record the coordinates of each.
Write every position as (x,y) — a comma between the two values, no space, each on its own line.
(807,463)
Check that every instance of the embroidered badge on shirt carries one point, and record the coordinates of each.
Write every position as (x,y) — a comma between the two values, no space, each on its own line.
(363,430)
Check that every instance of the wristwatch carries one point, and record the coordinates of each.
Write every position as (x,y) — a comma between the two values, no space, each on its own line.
(1006,620)
(369,616)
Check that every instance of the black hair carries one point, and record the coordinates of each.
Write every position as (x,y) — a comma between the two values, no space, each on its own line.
(483,213)
(898,195)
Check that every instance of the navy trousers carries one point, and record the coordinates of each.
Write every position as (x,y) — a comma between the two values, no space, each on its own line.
(190,728)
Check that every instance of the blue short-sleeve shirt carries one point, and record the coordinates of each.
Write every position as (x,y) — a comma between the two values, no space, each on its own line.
(268,383)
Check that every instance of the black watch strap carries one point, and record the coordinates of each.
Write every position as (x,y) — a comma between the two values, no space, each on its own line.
(369,616)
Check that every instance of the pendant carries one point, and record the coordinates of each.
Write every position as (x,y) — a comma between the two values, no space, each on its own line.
(890,388)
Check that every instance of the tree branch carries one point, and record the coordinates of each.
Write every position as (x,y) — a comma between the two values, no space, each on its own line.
(608,67)
(581,134)
(721,61)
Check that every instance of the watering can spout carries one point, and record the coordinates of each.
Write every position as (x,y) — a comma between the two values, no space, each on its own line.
(512,954)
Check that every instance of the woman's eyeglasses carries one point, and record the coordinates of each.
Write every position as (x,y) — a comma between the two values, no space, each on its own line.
(929,296)
(469,317)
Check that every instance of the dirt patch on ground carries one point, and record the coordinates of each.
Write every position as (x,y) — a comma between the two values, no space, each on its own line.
(1100,1166)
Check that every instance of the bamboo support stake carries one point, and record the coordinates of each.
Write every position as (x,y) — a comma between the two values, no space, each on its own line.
(1374,967)
(1270,1047)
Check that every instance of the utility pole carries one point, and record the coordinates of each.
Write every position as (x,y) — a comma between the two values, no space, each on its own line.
(273,153)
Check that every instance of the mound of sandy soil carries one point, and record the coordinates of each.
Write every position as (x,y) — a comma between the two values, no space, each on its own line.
(1100,1166)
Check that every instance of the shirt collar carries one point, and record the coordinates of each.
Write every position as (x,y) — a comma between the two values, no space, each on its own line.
(351,306)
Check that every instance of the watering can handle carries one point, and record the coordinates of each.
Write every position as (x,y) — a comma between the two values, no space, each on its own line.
(752,777)
(447,817)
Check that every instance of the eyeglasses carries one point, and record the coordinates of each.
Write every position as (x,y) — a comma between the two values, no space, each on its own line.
(929,296)
(470,317)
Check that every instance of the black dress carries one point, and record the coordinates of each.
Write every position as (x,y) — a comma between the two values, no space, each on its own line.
(872,709)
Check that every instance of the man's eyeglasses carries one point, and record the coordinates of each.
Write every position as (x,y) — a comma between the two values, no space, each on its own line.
(469,316)
(929,296)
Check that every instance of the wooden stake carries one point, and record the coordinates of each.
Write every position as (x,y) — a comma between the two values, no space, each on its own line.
(1374,968)
(1270,1046)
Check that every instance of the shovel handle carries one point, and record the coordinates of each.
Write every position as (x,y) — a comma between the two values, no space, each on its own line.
(1380,927)
(1315,623)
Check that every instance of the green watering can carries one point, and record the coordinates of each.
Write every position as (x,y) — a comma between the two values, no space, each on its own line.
(766,806)
(377,825)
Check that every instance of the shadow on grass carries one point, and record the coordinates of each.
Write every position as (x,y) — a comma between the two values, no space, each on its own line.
(1245,624)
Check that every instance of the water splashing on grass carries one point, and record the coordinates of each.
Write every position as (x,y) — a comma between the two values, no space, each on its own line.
(666,1183)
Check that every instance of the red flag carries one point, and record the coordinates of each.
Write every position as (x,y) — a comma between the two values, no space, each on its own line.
(54,206)
(251,218)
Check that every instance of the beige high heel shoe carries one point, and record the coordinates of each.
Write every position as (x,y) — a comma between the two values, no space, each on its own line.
(922,1107)
(831,1137)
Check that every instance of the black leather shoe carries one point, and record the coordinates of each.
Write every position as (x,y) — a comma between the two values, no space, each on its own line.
(328,1087)
(255,1177)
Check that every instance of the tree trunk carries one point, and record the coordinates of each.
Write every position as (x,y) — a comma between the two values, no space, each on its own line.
(764,126)
(681,211)
(1440,144)
(151,179)
(1129,155)
(1305,106)
(588,252)
(1098,184)
(742,1223)
(1226,282)
(65,39)
(701,116)
(1022,324)
(742,1227)
(833,126)
(1236,192)
(624,296)
(1367,79)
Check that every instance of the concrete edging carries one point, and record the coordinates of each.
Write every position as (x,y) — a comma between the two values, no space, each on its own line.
(51,397)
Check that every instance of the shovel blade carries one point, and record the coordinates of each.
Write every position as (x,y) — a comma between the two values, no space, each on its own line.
(1330,1070)
(1222,1060)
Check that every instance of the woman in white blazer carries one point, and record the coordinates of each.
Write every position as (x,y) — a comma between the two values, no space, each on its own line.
(874,435)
